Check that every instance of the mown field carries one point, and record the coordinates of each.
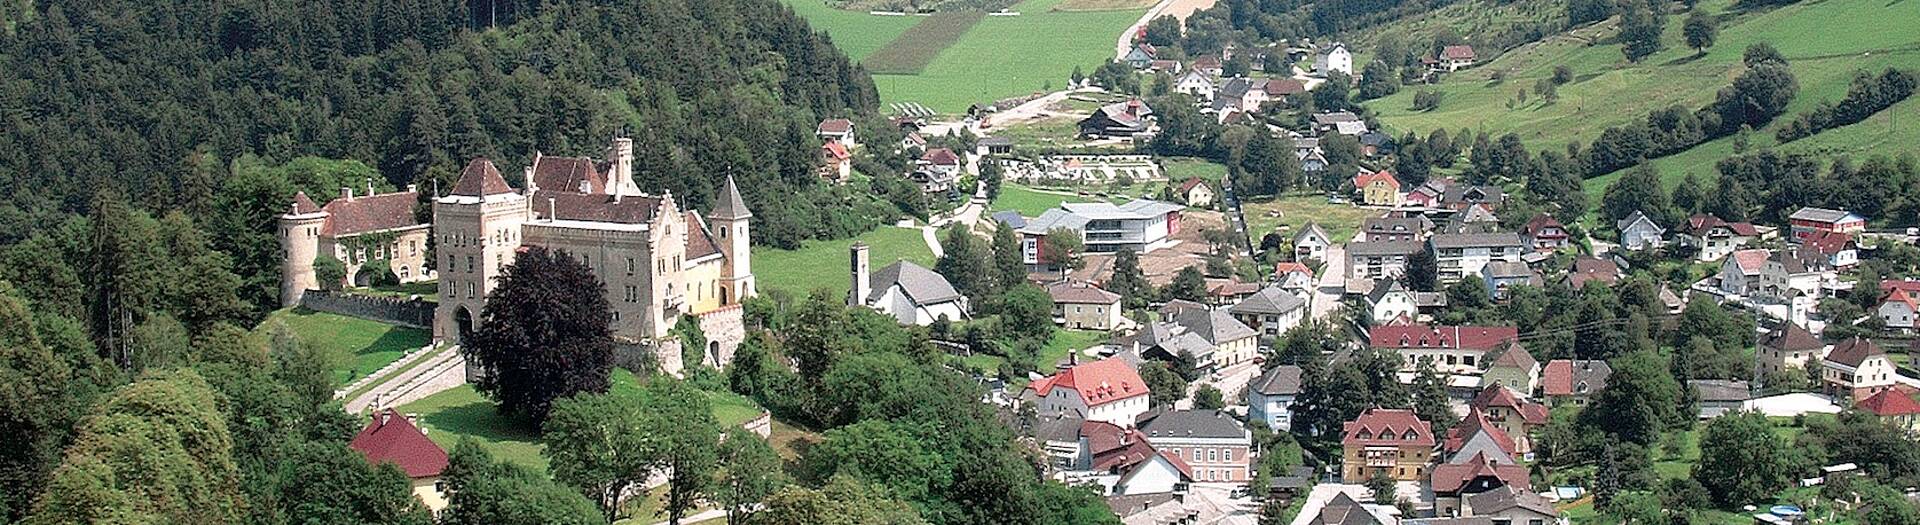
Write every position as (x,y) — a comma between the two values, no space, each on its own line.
(1340,220)
(355,346)
(999,57)
(1103,5)
(825,264)
(1029,202)
(910,53)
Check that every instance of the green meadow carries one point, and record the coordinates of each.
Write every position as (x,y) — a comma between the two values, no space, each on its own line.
(825,264)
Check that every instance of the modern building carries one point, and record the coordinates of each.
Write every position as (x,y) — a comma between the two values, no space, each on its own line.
(1385,441)
(910,293)
(1373,260)
(1214,443)
(1270,397)
(1141,225)
(1463,254)
(1108,390)
(1807,221)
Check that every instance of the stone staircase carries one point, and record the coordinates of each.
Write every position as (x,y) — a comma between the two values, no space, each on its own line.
(411,380)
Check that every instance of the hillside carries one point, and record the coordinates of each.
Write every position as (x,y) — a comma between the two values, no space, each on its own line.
(1826,42)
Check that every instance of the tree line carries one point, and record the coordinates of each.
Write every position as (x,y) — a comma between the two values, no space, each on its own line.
(1869,94)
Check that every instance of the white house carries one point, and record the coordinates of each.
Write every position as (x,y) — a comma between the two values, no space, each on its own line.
(1638,232)
(1899,310)
(1391,302)
(836,130)
(1272,311)
(1142,225)
(1740,272)
(1293,277)
(1270,397)
(1839,248)
(1794,270)
(1334,58)
(1380,259)
(1453,349)
(1715,238)
(1197,84)
(1311,242)
(1463,254)
(1107,390)
(1082,306)
(912,294)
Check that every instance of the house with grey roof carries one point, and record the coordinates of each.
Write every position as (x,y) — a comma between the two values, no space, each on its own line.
(1463,254)
(1233,342)
(1214,443)
(1501,276)
(1391,302)
(1166,341)
(1270,397)
(1510,505)
(1141,225)
(1719,396)
(1082,306)
(912,294)
(1371,260)
(1396,227)
(1639,232)
(1272,310)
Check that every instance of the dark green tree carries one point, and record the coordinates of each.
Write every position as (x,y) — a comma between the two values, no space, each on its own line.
(1423,271)
(543,336)
(487,492)
(1164,386)
(1187,284)
(1741,460)
(1700,30)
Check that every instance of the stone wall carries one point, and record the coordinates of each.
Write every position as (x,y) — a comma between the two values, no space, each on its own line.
(643,358)
(725,329)
(406,312)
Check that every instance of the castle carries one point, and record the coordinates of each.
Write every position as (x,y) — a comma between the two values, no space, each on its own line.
(656,260)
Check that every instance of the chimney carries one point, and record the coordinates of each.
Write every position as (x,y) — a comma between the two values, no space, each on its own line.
(552,214)
(413,188)
(346,193)
(861,287)
(369,186)
(1133,107)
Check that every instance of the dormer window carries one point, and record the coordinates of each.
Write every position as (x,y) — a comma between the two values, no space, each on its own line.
(1364,435)
(1409,435)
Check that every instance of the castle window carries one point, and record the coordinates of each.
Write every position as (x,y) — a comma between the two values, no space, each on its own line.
(723,233)
(629,266)
(469,290)
(413,247)
(469,264)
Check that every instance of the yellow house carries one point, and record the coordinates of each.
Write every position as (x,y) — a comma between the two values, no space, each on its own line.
(1894,407)
(1378,188)
(1388,441)
(391,437)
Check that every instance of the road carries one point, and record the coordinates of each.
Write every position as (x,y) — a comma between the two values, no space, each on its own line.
(1177,8)
(1333,283)
(1231,380)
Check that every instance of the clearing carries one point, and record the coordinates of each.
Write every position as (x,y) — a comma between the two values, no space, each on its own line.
(1029,201)
(1340,220)
(355,346)
(824,264)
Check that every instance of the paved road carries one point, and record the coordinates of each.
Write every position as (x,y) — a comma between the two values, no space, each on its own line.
(1178,8)
(1333,283)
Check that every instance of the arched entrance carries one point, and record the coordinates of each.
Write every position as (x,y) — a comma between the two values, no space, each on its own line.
(362,278)
(726,296)
(463,322)
(713,353)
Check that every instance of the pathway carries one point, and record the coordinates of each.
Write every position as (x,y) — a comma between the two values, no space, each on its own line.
(1179,9)
(1333,282)
(445,369)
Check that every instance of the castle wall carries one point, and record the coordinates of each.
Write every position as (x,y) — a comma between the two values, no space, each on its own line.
(406,255)
(725,329)
(393,310)
(620,259)
(701,286)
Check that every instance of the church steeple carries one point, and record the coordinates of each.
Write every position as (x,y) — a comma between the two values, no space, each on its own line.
(731,206)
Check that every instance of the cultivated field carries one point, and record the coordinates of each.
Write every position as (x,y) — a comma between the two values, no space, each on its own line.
(1103,5)
(910,53)
(856,33)
(355,346)
(824,264)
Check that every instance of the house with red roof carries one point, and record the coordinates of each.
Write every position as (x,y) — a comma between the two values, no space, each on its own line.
(1453,349)
(377,228)
(1453,482)
(1293,276)
(1744,272)
(1107,390)
(1544,233)
(1712,238)
(1513,367)
(1124,462)
(1473,435)
(1455,58)
(1839,248)
(836,163)
(1572,382)
(1899,310)
(1378,188)
(1196,193)
(1386,441)
(1894,407)
(1515,415)
(1857,369)
(391,437)
(1807,221)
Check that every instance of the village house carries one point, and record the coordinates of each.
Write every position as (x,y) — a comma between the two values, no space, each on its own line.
(836,163)
(1228,292)
(1740,273)
(1339,122)
(1385,441)
(1857,368)
(1455,58)
(658,262)
(1396,226)
(1141,56)
(1124,463)
(1512,366)
(1428,194)
(1459,350)
(1208,65)
(1196,193)
(1374,260)
(1233,342)
(1249,94)
(1513,413)
(1332,58)
(1167,341)
(1639,232)
(1793,272)
(390,437)
(1344,510)
(1713,238)
(1082,306)
(937,170)
(1463,254)
(1213,443)
(1501,276)
(1196,83)
(1454,482)
(1473,436)
(1272,311)
(1392,303)
(1270,397)
(1511,505)
(1461,197)
(1377,188)
(1119,119)
(913,142)
(836,130)
(910,293)
(1293,277)
(1108,390)
(1839,248)
(360,232)
(1572,382)
(993,146)
(1141,225)
(1899,310)
(1894,407)
(1715,397)
(1544,233)
(1809,220)
(1590,269)
(1375,144)
(1787,349)
(1311,242)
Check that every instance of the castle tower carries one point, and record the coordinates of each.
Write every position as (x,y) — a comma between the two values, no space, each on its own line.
(620,170)
(729,220)
(862,285)
(299,246)
(478,227)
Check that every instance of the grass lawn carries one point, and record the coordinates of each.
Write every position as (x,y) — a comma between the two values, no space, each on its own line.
(824,264)
(355,346)
(1340,220)
(1040,133)
(1004,56)
(1178,169)
(427,290)
(1029,202)
(1062,343)
(1103,5)
(856,33)
(912,51)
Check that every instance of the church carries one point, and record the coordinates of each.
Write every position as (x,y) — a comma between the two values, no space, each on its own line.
(658,261)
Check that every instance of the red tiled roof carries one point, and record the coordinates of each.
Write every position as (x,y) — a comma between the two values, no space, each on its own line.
(1557,379)
(1827,243)
(1497,396)
(370,213)
(1593,269)
(1422,336)
(1750,260)
(1853,352)
(1700,224)
(835,125)
(302,204)
(1890,403)
(570,206)
(1457,52)
(1451,477)
(1098,383)
(1901,296)
(567,174)
(1080,293)
(1191,182)
(1285,86)
(1394,423)
(1475,423)
(1125,449)
(1540,223)
(836,151)
(1102,436)
(1909,285)
(941,157)
(1284,268)
(390,438)
(1178,464)
(1363,179)
(480,179)
(699,242)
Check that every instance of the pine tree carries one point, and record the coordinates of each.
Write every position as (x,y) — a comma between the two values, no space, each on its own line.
(1430,397)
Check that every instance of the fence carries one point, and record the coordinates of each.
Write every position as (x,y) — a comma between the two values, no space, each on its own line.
(406,312)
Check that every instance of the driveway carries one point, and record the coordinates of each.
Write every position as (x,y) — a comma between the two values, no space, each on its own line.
(1231,379)
(1333,283)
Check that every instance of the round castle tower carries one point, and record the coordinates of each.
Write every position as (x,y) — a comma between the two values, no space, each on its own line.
(300,246)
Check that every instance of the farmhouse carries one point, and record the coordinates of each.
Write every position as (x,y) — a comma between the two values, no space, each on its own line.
(1120,119)
(912,294)
(836,130)
(355,231)
(1335,57)
(1082,306)
(1807,221)
(937,170)
(1839,249)
(1455,58)
(1141,56)
(1196,192)
(1544,233)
